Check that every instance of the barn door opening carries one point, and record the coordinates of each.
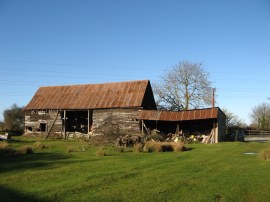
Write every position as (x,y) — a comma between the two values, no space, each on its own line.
(77,121)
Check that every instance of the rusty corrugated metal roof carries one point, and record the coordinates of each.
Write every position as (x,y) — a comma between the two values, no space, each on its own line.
(90,96)
(185,115)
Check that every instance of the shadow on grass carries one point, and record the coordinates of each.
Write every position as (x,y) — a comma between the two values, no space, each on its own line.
(10,195)
(34,161)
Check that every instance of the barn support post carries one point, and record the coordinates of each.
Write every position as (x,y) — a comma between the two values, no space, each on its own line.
(88,122)
(177,129)
(215,135)
(49,132)
(142,127)
(64,122)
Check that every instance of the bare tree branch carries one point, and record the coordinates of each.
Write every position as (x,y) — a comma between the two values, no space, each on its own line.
(185,85)
(261,116)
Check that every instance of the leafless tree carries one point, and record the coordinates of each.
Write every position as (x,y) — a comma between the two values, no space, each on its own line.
(184,86)
(232,119)
(260,116)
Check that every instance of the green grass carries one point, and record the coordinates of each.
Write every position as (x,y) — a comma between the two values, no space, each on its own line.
(218,172)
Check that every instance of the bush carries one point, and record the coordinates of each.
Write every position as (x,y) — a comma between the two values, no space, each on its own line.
(149,146)
(39,145)
(163,147)
(100,152)
(70,149)
(98,140)
(24,150)
(265,155)
(5,149)
(121,149)
(179,147)
(138,147)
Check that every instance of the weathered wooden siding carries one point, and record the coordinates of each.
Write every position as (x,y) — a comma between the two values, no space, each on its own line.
(33,119)
(123,119)
(221,123)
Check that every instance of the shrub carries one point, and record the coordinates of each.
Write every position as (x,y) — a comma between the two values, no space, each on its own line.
(5,149)
(167,147)
(163,147)
(149,146)
(70,149)
(121,149)
(39,145)
(24,150)
(265,154)
(100,152)
(153,147)
(138,147)
(98,140)
(3,145)
(179,147)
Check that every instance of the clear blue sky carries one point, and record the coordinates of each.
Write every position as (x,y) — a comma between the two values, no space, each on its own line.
(48,42)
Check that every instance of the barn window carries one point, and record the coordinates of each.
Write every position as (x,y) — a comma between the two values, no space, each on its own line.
(29,128)
(43,127)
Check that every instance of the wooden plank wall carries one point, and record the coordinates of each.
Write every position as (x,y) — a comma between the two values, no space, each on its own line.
(221,123)
(34,118)
(125,119)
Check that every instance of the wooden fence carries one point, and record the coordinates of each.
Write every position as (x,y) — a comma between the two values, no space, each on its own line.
(257,135)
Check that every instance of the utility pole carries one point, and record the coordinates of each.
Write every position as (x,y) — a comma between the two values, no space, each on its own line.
(213,97)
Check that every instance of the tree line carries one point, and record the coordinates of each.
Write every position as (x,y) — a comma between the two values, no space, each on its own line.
(13,120)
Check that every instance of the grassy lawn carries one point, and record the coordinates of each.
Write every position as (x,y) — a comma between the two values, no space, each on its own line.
(218,172)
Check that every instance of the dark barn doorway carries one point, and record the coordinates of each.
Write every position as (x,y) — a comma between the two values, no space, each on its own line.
(77,121)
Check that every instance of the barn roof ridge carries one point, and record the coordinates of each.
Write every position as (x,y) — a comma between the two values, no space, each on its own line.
(92,96)
(103,83)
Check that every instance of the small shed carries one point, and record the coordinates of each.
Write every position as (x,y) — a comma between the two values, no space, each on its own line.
(203,121)
(65,110)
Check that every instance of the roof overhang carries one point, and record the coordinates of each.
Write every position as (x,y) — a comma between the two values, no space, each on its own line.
(185,115)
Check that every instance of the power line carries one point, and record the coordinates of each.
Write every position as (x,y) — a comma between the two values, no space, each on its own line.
(94,66)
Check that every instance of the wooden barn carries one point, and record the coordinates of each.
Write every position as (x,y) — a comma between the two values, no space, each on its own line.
(88,109)
(123,107)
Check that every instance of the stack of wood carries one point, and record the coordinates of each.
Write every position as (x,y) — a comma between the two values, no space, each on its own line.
(209,138)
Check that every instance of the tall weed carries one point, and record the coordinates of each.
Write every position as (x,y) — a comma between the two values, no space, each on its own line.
(5,149)
(25,149)
(265,154)
(163,147)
